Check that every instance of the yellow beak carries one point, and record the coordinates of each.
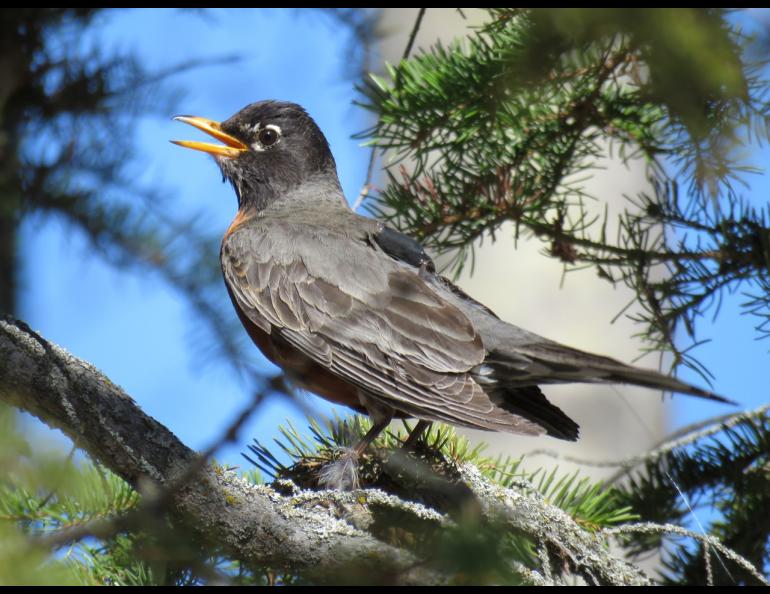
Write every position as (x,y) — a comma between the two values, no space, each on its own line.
(233,148)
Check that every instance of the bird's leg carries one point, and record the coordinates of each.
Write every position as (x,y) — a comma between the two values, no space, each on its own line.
(416,433)
(377,428)
(342,474)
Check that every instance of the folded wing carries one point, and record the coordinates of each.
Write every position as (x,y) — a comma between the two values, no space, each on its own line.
(374,323)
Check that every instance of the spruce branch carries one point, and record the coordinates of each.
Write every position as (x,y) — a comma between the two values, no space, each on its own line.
(505,125)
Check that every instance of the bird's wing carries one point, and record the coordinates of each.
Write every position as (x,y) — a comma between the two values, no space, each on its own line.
(403,248)
(367,319)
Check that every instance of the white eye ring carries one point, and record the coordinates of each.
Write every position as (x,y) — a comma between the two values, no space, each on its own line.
(261,144)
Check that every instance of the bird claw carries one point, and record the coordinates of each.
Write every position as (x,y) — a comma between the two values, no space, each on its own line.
(341,474)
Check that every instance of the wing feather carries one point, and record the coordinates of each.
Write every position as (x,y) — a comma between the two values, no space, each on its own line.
(367,319)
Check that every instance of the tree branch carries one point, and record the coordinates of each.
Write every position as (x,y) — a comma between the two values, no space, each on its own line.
(252,523)
(585,553)
(320,533)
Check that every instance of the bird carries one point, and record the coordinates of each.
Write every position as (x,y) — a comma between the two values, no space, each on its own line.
(356,312)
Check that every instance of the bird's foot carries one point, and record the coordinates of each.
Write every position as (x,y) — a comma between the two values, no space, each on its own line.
(342,473)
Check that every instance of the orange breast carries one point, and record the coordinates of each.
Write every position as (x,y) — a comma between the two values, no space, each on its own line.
(243,215)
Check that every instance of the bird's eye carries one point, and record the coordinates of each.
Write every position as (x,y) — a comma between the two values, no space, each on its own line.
(269,136)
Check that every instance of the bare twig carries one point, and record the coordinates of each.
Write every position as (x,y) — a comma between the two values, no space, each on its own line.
(413,34)
(366,188)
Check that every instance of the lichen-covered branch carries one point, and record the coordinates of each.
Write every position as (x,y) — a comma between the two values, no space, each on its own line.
(254,524)
(324,535)
(585,553)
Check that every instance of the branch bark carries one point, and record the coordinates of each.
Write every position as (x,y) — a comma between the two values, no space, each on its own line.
(322,533)
(252,523)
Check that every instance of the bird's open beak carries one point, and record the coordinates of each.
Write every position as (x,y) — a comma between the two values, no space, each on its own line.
(233,148)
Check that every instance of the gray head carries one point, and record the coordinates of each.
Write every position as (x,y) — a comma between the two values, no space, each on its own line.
(271,150)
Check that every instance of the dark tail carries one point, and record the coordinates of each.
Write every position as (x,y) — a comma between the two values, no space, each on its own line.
(555,363)
(529,402)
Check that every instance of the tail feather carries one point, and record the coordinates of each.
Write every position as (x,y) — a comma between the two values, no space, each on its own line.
(530,403)
(653,379)
(550,362)
(525,401)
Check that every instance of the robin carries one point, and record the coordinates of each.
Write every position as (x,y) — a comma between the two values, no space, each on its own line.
(355,312)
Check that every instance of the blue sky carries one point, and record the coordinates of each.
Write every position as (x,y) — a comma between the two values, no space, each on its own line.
(735,354)
(135,328)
